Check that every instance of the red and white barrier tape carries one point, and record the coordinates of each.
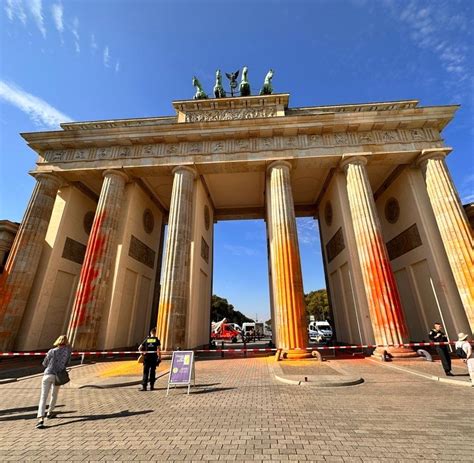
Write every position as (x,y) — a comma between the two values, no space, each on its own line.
(133,352)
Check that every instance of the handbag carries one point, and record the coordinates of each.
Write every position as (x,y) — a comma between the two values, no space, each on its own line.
(62,377)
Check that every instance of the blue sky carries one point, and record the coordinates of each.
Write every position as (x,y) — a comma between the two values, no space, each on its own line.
(88,60)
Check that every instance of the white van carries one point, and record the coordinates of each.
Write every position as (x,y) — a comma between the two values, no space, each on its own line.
(253,329)
(320,331)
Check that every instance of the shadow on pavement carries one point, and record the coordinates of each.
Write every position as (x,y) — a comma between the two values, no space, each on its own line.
(122,414)
(213,389)
(9,411)
(28,416)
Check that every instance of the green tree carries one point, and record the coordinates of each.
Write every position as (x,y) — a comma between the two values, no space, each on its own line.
(220,308)
(317,304)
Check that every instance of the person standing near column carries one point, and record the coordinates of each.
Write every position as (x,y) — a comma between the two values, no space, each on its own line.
(150,348)
(463,345)
(437,335)
(55,361)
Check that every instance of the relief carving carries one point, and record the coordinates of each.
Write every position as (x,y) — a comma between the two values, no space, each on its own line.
(103,153)
(148,150)
(195,147)
(389,135)
(80,154)
(242,144)
(365,137)
(229,114)
(218,147)
(315,140)
(341,139)
(416,134)
(265,143)
(58,156)
(172,149)
(124,152)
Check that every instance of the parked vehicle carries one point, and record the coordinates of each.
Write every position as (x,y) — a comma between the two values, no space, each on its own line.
(320,331)
(267,331)
(222,331)
(253,330)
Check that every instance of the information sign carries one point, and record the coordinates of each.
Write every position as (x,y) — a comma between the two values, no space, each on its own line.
(181,369)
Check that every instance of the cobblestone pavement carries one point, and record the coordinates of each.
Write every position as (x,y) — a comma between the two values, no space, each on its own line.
(238,412)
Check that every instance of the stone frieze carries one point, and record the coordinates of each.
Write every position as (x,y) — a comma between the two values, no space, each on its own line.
(219,147)
(230,114)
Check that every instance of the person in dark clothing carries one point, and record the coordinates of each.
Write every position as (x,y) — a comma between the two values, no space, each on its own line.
(150,349)
(436,335)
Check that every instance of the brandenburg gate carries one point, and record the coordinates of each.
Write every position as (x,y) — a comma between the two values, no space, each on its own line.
(91,257)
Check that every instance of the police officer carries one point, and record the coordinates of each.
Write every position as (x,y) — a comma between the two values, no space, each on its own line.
(436,335)
(150,348)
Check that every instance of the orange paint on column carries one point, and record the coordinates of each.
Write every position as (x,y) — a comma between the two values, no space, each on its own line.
(385,309)
(91,291)
(287,284)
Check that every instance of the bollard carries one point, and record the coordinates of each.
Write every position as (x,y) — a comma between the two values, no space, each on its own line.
(82,358)
(222,351)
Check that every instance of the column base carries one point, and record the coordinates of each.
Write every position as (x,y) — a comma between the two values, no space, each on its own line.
(395,352)
(295,354)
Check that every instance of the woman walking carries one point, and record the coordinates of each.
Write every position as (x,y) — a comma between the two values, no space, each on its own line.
(55,362)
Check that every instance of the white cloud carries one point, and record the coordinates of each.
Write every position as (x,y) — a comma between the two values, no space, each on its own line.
(36,10)
(75,33)
(307,231)
(117,66)
(240,250)
(57,11)
(436,28)
(14,9)
(39,111)
(466,192)
(106,57)
(94,45)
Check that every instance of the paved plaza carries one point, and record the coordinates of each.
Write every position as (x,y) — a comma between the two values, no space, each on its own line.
(239,411)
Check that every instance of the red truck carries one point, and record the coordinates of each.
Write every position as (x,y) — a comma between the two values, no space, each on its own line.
(222,331)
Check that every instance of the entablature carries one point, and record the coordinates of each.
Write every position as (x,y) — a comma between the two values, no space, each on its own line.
(314,121)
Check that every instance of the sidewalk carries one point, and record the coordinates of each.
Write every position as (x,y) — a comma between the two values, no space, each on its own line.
(432,370)
(239,412)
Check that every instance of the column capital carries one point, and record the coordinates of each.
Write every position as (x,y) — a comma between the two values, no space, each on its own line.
(432,153)
(47,176)
(279,163)
(119,173)
(185,168)
(354,158)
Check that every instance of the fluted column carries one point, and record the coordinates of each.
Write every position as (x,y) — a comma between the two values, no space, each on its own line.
(452,224)
(95,273)
(22,264)
(174,295)
(386,314)
(288,297)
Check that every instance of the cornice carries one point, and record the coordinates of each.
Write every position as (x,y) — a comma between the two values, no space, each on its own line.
(311,124)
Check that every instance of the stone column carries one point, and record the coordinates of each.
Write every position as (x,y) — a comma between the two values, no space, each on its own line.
(452,224)
(174,296)
(386,313)
(91,292)
(22,264)
(288,297)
